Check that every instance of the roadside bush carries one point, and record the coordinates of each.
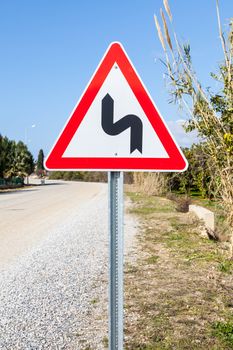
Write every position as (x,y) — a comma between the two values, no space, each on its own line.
(95,176)
(89,176)
(182,204)
(171,196)
(66,175)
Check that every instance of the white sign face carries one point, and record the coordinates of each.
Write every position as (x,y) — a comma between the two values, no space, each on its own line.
(90,140)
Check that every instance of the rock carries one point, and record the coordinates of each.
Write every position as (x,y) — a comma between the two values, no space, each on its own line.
(206,215)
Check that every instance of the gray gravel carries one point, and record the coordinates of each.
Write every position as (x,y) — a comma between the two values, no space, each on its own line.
(55,296)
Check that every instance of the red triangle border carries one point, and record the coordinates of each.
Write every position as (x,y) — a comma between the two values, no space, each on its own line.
(176,160)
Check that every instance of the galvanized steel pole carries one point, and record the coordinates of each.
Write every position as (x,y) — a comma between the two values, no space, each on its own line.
(115,181)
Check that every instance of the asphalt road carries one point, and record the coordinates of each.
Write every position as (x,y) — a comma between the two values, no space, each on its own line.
(27,215)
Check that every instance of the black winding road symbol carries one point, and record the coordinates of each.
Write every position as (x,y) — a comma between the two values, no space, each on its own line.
(129,121)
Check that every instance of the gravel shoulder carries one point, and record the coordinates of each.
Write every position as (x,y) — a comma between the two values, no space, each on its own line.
(53,293)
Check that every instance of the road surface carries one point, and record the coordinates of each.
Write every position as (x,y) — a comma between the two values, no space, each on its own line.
(26,216)
(54,267)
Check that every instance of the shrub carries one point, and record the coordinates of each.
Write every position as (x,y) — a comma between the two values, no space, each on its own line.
(182,204)
(171,196)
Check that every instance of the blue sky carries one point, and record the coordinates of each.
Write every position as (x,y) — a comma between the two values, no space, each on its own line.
(50,49)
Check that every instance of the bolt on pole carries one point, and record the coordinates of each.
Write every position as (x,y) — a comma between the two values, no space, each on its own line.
(115,181)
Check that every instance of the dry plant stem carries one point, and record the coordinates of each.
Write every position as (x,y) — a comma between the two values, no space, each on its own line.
(221,35)
(187,70)
(160,35)
(192,76)
(212,116)
(166,30)
(150,183)
(184,64)
(215,119)
(167,8)
(204,117)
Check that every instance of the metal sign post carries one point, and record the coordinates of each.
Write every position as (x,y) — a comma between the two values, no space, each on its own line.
(115,183)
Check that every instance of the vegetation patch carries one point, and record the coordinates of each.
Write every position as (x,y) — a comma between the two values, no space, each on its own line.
(226,266)
(152,259)
(179,284)
(105,342)
(224,331)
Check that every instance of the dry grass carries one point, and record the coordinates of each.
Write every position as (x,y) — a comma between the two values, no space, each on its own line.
(179,290)
(150,183)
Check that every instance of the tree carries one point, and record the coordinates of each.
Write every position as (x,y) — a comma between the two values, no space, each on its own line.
(6,155)
(3,155)
(25,159)
(20,160)
(40,163)
(211,114)
(15,159)
(197,177)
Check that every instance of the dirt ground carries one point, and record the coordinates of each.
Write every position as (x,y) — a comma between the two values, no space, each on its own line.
(179,285)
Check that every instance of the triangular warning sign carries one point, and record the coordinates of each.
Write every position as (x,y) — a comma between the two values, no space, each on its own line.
(115,125)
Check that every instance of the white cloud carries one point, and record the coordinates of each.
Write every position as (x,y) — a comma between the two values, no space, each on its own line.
(183,138)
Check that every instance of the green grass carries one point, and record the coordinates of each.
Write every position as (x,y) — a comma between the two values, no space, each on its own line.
(226,266)
(194,193)
(224,331)
(149,204)
(152,259)
(94,301)
(105,342)
(143,210)
(195,248)
(187,242)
